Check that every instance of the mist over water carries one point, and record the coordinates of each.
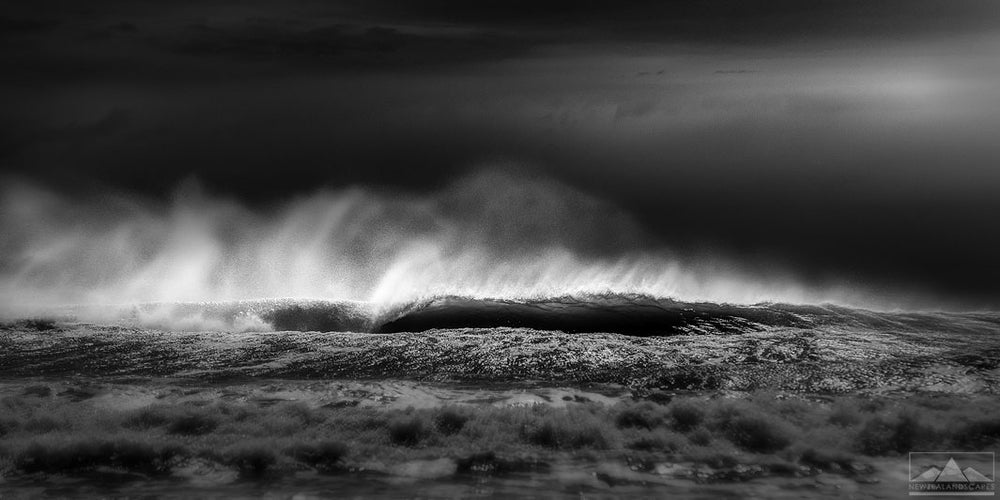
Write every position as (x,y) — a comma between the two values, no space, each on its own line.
(490,234)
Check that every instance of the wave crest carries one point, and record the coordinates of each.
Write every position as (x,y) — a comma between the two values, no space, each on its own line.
(629,314)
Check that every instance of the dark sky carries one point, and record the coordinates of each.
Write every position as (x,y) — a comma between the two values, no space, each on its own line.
(838,141)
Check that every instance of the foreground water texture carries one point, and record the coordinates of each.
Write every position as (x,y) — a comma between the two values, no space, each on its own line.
(604,396)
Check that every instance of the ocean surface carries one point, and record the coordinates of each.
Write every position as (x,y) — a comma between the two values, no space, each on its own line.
(633,340)
(322,358)
(628,314)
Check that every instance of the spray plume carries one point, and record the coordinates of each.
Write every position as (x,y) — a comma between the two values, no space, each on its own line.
(490,234)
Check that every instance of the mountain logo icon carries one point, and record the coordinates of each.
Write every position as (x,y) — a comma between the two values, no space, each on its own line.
(952,474)
(940,474)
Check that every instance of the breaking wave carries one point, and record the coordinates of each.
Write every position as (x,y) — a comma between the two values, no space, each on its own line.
(629,314)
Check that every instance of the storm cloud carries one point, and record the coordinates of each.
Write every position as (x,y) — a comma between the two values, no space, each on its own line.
(835,142)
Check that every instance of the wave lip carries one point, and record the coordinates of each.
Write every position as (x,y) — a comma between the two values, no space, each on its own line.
(627,314)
